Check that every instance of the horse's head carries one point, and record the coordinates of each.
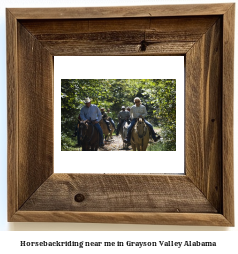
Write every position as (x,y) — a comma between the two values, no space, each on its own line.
(83,127)
(141,125)
(140,121)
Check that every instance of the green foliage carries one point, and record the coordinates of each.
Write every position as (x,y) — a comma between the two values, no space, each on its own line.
(67,143)
(162,96)
(158,95)
(156,147)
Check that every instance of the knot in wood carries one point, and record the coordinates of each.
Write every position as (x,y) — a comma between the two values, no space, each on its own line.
(143,45)
(79,198)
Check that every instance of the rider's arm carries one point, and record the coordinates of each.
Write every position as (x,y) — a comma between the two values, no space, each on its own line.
(144,114)
(119,116)
(131,113)
(82,114)
(99,114)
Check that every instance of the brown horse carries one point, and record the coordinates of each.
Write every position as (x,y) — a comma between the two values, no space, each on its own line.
(88,135)
(140,136)
(105,129)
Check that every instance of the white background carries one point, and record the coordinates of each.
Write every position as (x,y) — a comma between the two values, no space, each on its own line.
(120,67)
(10,240)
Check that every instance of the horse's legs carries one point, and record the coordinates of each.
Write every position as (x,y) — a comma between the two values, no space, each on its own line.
(144,146)
(133,146)
(86,147)
(94,147)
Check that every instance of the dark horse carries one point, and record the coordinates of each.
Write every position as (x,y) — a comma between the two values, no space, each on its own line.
(88,136)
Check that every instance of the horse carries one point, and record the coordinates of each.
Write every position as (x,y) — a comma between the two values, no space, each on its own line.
(140,135)
(105,130)
(88,135)
(123,133)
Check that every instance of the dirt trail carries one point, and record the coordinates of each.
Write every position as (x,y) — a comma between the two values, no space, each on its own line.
(114,144)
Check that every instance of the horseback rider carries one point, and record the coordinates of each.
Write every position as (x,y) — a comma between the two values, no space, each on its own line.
(123,115)
(129,109)
(92,113)
(104,117)
(109,117)
(139,110)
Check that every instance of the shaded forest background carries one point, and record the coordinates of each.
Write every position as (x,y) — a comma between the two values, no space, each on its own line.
(157,95)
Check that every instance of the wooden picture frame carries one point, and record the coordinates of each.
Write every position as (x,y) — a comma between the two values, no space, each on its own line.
(204,34)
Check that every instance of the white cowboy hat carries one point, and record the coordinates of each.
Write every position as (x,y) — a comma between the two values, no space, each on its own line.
(123,107)
(87,100)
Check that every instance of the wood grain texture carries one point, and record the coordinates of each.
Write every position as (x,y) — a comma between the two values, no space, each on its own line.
(115,49)
(174,36)
(36,114)
(138,193)
(12,114)
(192,219)
(49,29)
(204,115)
(227,113)
(204,196)
(121,11)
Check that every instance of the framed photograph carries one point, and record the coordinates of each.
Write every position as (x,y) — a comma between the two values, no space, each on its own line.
(159,84)
(202,195)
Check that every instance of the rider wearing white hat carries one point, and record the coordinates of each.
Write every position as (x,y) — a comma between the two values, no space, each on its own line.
(123,115)
(139,110)
(91,112)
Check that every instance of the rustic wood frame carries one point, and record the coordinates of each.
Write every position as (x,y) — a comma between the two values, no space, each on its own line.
(204,34)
